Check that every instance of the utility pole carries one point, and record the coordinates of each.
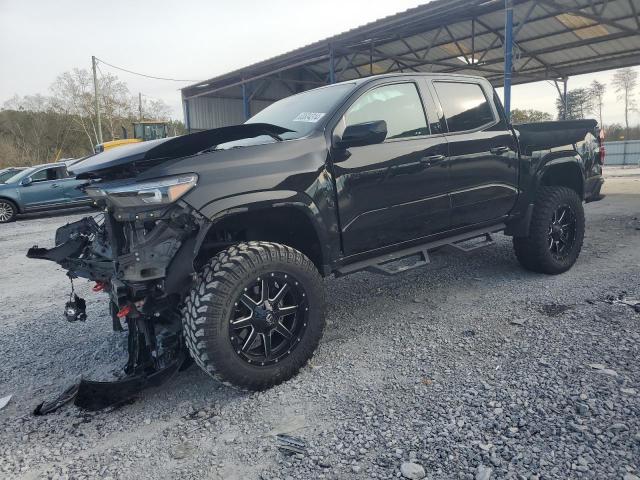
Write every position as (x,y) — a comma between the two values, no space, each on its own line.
(140,105)
(95,88)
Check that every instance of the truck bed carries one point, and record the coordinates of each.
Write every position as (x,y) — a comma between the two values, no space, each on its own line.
(547,135)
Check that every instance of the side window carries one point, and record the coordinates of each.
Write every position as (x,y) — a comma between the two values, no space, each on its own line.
(61,173)
(399,105)
(42,175)
(465,105)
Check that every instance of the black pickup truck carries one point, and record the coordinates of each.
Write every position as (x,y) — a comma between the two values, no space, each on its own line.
(213,245)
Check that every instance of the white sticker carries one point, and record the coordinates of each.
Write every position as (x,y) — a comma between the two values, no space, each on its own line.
(311,117)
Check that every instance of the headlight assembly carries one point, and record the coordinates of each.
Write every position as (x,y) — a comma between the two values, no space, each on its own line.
(150,193)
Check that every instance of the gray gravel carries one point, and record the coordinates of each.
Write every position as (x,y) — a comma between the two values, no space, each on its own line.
(470,369)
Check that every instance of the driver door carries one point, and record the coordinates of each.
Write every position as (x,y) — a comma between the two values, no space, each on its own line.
(395,191)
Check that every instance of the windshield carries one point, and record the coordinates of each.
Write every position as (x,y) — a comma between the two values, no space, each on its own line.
(149,131)
(303,111)
(7,174)
(20,175)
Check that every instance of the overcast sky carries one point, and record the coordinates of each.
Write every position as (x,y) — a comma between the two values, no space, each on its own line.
(191,39)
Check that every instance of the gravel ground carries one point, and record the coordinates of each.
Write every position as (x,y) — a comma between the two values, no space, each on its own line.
(471,368)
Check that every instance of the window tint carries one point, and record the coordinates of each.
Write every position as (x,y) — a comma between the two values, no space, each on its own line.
(55,173)
(43,175)
(464,104)
(399,105)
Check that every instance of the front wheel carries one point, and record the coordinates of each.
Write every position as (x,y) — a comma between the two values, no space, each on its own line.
(8,211)
(556,233)
(255,315)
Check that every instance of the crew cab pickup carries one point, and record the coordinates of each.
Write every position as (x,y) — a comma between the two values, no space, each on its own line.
(213,245)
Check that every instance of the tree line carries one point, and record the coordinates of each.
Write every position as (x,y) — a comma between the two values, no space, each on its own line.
(37,129)
(589,102)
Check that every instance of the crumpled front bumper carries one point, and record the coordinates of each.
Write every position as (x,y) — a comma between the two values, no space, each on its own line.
(79,251)
(141,266)
(132,259)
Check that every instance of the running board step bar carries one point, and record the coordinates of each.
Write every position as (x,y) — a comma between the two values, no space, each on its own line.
(383,264)
(466,246)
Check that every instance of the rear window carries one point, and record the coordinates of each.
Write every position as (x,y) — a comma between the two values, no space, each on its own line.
(465,105)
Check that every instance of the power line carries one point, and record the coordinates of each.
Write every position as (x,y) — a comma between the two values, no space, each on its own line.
(144,75)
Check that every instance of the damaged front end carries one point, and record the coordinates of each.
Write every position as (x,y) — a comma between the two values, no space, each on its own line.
(139,250)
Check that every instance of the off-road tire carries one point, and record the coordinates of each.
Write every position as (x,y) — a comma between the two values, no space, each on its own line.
(208,308)
(533,251)
(8,206)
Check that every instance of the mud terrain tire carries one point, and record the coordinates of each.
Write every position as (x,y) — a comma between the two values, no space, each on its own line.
(209,311)
(537,252)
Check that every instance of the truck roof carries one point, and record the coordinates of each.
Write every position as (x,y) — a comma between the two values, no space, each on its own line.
(371,78)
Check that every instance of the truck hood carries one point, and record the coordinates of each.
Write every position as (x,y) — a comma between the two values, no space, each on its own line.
(130,160)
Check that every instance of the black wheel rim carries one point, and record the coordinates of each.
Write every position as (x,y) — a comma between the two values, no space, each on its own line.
(269,319)
(562,232)
(6,211)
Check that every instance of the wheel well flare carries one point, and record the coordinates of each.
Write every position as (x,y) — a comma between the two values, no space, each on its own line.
(285,225)
(564,175)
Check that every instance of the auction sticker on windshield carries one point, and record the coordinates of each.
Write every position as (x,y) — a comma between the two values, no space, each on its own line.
(311,117)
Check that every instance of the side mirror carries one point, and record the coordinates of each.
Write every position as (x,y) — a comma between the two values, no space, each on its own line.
(361,134)
(25,182)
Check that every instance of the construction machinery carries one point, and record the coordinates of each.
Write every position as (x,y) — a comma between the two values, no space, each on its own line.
(142,131)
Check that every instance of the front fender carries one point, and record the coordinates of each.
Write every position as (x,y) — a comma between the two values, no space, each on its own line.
(322,216)
(13,197)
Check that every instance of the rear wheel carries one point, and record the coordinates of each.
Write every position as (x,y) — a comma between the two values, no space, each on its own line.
(8,211)
(255,315)
(556,233)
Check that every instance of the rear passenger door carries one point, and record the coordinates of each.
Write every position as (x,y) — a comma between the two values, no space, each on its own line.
(482,152)
(69,188)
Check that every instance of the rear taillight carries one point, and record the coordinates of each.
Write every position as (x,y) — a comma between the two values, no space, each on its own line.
(603,151)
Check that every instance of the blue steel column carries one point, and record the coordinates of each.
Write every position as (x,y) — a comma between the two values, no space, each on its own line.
(508,55)
(246,103)
(332,71)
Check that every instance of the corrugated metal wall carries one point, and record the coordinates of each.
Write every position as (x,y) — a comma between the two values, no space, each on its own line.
(227,108)
(207,112)
(623,153)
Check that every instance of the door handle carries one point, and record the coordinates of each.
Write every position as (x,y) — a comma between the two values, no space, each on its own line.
(55,185)
(432,160)
(499,150)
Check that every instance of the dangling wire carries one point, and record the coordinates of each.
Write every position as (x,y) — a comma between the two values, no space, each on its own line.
(73,291)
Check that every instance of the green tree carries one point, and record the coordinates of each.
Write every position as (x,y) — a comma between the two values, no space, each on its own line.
(579,104)
(529,116)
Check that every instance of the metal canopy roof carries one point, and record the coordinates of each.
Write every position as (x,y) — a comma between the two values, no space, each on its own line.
(552,39)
